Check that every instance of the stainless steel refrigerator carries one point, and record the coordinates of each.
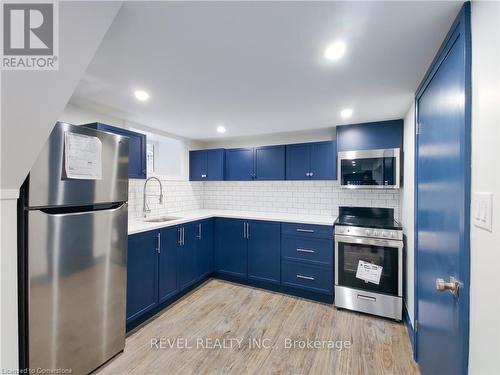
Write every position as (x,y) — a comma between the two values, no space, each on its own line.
(73,251)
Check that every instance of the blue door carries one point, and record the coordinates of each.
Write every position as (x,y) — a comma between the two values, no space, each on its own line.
(197,165)
(142,274)
(167,268)
(264,251)
(442,205)
(188,264)
(205,248)
(215,165)
(298,161)
(323,161)
(270,163)
(239,164)
(230,247)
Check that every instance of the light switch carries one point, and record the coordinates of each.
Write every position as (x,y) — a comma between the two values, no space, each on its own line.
(483,210)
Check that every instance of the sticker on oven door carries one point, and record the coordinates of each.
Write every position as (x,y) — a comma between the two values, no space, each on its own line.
(369,272)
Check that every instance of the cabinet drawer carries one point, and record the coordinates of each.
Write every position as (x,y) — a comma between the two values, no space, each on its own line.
(307,249)
(308,230)
(307,276)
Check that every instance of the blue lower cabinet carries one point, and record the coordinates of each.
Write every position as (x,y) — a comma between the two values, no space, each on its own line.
(205,248)
(307,276)
(167,268)
(142,274)
(230,251)
(312,250)
(264,255)
(187,251)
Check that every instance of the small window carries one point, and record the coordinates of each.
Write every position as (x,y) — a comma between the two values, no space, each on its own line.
(165,156)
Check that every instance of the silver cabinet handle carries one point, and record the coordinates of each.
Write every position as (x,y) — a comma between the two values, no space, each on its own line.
(203,176)
(305,230)
(158,243)
(305,277)
(182,236)
(248,231)
(367,298)
(305,251)
(311,174)
(307,174)
(244,230)
(199,231)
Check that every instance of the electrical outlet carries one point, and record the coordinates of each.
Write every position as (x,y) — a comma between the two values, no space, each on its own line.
(482,214)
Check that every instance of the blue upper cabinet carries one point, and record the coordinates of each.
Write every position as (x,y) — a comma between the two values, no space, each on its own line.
(137,148)
(323,161)
(259,163)
(311,161)
(370,136)
(298,163)
(239,164)
(206,165)
(269,163)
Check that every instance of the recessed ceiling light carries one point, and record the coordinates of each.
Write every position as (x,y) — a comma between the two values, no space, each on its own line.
(335,51)
(346,113)
(141,95)
(221,129)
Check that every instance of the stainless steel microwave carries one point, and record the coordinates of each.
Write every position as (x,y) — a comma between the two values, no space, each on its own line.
(370,169)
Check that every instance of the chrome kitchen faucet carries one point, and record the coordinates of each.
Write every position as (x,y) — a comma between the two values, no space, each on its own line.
(145,207)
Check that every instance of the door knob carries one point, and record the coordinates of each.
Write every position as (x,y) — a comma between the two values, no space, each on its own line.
(453,285)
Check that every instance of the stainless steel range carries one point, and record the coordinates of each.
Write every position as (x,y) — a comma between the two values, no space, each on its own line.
(369,261)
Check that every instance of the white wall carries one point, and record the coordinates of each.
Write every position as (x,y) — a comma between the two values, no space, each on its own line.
(484,352)
(407,209)
(313,135)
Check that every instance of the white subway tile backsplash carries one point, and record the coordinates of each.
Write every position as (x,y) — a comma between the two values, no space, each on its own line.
(300,197)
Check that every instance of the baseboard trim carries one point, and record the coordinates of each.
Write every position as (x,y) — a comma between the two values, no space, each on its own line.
(410,329)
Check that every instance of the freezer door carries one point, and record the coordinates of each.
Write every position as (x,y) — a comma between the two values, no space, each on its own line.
(49,185)
(77,288)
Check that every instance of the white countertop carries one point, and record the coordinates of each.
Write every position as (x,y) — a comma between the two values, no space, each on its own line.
(138,225)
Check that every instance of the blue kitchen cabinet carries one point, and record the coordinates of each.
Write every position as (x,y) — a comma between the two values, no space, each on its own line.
(323,160)
(311,161)
(230,253)
(137,148)
(269,163)
(142,273)
(239,164)
(206,165)
(259,163)
(167,267)
(187,250)
(370,136)
(298,161)
(264,256)
(205,248)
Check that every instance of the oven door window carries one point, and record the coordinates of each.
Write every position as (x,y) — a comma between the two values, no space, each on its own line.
(369,171)
(349,256)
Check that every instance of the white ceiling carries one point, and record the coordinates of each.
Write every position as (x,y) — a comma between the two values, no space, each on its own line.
(258,67)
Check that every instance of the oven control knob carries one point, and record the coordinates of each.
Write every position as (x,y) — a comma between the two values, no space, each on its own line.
(368,232)
(393,234)
(340,229)
(385,234)
(376,233)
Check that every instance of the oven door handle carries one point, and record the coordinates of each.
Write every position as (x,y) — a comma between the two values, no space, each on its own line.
(369,241)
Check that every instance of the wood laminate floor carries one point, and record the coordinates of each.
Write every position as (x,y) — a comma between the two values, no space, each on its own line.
(206,326)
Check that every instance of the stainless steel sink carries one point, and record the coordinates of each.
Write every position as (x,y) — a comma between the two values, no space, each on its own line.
(160,219)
